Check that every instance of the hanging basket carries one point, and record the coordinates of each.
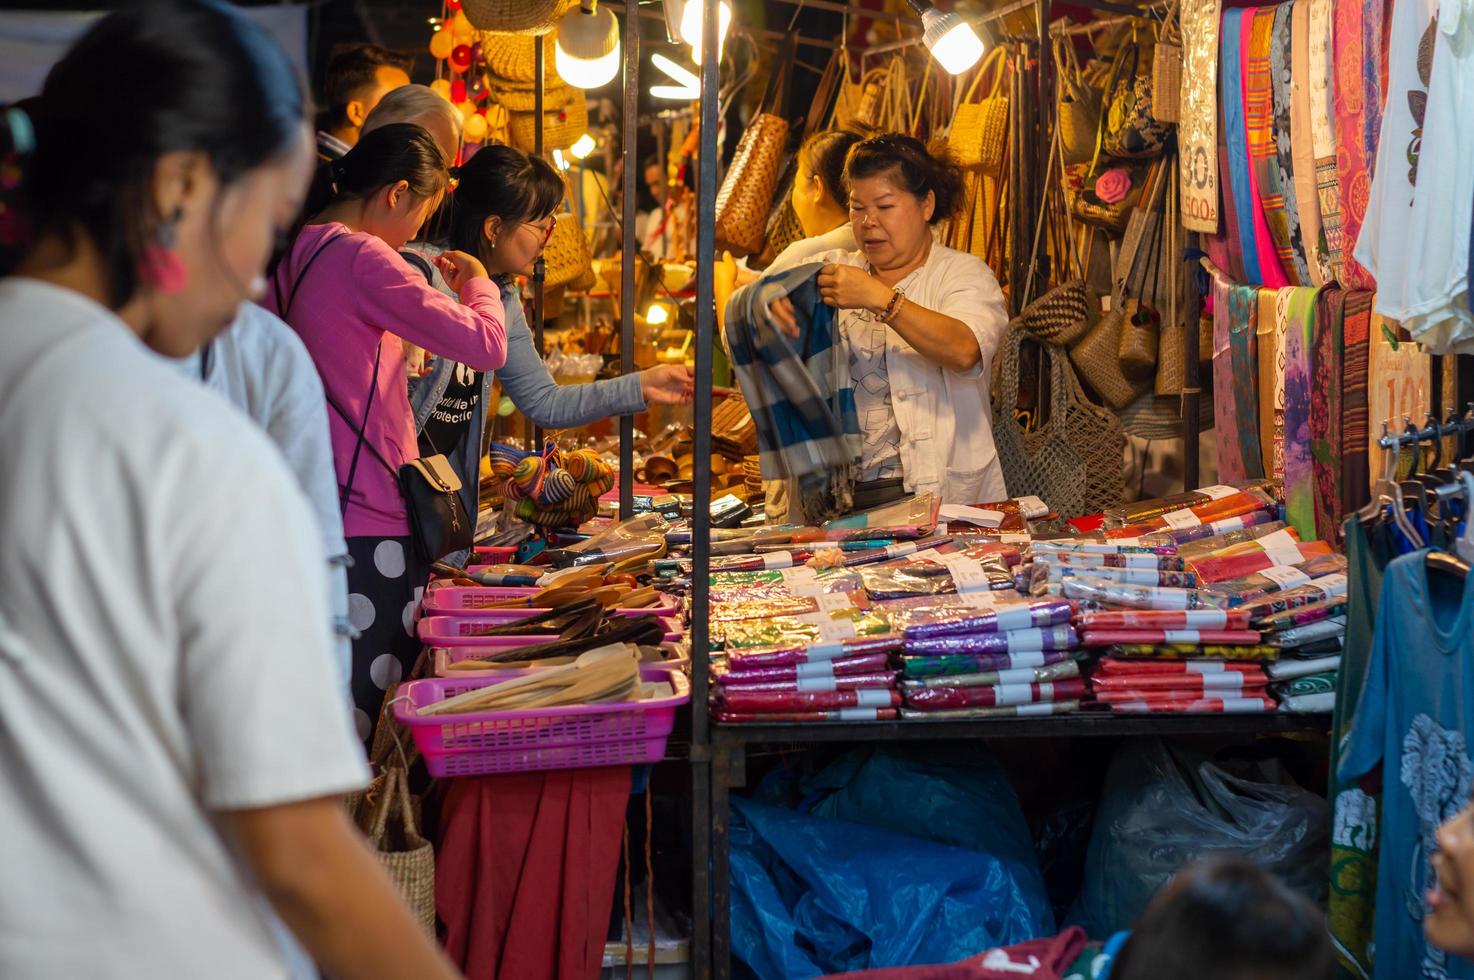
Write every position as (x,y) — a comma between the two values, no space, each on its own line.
(561,127)
(556,97)
(515,16)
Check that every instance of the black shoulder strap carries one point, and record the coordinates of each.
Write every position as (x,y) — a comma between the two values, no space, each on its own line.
(419,262)
(358,430)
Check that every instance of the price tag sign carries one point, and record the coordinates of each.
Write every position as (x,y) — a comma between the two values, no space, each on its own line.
(778,559)
(967,573)
(830,629)
(834,602)
(1286,576)
(871,697)
(1334,586)
(1179,520)
(1217,492)
(900,550)
(1180,636)
(817,683)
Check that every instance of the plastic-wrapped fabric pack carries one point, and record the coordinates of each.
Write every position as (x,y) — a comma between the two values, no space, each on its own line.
(1141,596)
(964,664)
(1013,641)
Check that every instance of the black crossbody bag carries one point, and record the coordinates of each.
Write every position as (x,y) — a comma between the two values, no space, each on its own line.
(430,486)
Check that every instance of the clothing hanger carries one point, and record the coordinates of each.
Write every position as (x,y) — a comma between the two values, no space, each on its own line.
(1375,510)
(1400,488)
(1438,560)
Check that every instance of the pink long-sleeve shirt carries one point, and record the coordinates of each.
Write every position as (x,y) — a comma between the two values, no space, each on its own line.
(359,297)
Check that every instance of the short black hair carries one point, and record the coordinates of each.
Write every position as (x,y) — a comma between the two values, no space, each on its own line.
(918,170)
(353,70)
(824,154)
(1227,919)
(387,155)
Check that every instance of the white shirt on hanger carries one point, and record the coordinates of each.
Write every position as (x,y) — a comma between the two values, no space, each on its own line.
(166,656)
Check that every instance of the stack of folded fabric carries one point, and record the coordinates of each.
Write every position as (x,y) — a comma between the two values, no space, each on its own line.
(996,657)
(1307,625)
(1113,561)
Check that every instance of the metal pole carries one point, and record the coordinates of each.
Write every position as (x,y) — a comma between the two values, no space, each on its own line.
(629,250)
(706,195)
(1043,110)
(539,267)
(1191,392)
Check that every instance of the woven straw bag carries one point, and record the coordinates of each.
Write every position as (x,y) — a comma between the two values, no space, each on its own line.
(1138,350)
(1167,71)
(387,817)
(1073,460)
(1060,316)
(1132,131)
(746,195)
(1097,358)
(980,129)
(1156,417)
(556,96)
(512,58)
(567,256)
(561,127)
(516,16)
(1078,106)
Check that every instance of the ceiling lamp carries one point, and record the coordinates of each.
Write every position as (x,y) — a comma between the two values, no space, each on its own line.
(687,87)
(950,39)
(691,26)
(586,54)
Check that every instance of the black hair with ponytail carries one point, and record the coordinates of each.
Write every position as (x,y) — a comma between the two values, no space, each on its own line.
(916,169)
(505,182)
(195,75)
(387,155)
(823,155)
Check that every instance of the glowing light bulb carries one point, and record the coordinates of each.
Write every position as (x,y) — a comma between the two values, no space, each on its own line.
(691,20)
(582,147)
(656,315)
(951,40)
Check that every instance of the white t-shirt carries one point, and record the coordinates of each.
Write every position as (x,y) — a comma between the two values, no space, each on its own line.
(166,655)
(805,249)
(261,366)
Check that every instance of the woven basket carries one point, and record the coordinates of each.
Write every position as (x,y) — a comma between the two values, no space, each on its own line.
(1097,358)
(555,97)
(980,129)
(1167,71)
(515,16)
(405,855)
(1138,350)
(561,128)
(1079,106)
(1073,460)
(1155,418)
(1060,316)
(1171,348)
(569,260)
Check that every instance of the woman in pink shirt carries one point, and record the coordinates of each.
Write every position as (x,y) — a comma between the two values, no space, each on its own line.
(344,288)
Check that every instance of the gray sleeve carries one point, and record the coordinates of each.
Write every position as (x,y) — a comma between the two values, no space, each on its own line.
(526,380)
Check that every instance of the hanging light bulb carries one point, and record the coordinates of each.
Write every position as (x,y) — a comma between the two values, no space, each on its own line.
(582,147)
(676,93)
(657,314)
(691,19)
(586,54)
(950,39)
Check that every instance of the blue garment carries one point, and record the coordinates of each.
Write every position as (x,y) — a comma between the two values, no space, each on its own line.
(1417,704)
(1236,136)
(526,381)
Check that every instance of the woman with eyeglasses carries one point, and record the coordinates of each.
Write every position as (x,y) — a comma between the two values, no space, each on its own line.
(354,300)
(504,212)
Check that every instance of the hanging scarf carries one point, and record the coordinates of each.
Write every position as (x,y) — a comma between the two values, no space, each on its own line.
(1243,317)
(1197,129)
(1302,145)
(1323,137)
(1281,323)
(1230,453)
(1299,470)
(1356,423)
(1236,143)
(1355,74)
(1274,235)
(1282,173)
(1269,357)
(1326,424)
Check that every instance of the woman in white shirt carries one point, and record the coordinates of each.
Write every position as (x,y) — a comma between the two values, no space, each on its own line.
(174,740)
(920,323)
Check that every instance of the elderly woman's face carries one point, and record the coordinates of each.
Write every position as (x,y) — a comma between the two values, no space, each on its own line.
(1449,922)
(891,224)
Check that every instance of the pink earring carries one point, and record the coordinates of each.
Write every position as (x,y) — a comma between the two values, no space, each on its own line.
(161,266)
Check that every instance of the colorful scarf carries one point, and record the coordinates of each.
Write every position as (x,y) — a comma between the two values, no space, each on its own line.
(1273,237)
(1266,208)
(1281,321)
(1323,137)
(1243,317)
(1302,146)
(1236,144)
(1356,424)
(1197,129)
(1299,469)
(1282,173)
(1269,356)
(1230,453)
(1326,423)
(1355,83)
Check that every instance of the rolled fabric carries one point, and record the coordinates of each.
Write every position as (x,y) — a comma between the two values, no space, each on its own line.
(1014,641)
(977,663)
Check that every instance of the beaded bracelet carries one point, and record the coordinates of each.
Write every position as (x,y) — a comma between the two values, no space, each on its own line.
(894,306)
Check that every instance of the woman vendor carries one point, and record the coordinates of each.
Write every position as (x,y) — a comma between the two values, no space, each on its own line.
(920,323)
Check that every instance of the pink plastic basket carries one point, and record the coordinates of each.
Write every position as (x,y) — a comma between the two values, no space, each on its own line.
(678,655)
(580,737)
(455,600)
(466,631)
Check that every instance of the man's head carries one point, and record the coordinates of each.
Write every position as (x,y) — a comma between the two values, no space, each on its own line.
(420,105)
(357,78)
(653,174)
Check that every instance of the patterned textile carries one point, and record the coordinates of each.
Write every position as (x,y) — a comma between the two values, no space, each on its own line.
(1323,137)
(1355,75)
(1197,129)
(798,389)
(1236,146)
(1266,207)
(1326,422)
(1302,146)
(1282,173)
(1230,453)
(1356,421)
(1269,357)
(1243,322)
(1281,322)
(1259,100)
(1299,469)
